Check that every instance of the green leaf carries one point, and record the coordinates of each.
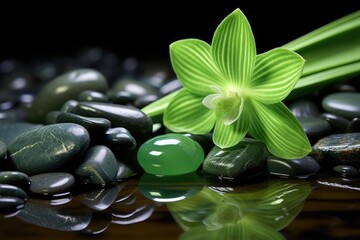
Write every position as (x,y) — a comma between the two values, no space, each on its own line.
(186,113)
(282,133)
(233,48)
(332,45)
(226,136)
(193,65)
(275,75)
(155,110)
(319,80)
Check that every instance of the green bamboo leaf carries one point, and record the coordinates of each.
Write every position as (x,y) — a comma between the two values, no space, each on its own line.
(186,113)
(226,136)
(275,75)
(233,48)
(193,65)
(282,133)
(330,46)
(321,79)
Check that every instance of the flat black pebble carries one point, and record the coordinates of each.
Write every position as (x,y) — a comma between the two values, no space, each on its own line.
(51,183)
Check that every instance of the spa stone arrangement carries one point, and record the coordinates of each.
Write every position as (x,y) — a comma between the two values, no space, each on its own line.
(75,123)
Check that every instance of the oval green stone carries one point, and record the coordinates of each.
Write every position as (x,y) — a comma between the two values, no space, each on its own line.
(170,154)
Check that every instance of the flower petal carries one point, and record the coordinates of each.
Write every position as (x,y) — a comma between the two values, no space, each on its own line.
(186,113)
(275,75)
(208,101)
(233,48)
(226,136)
(231,116)
(282,133)
(194,66)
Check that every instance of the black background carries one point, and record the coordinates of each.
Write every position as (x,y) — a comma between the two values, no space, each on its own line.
(145,29)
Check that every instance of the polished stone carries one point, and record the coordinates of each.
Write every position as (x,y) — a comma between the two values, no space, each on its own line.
(345,104)
(7,190)
(245,160)
(99,166)
(131,118)
(315,128)
(10,130)
(338,123)
(354,126)
(338,149)
(11,205)
(347,171)
(51,183)
(63,88)
(100,199)
(3,150)
(94,125)
(142,101)
(134,86)
(304,108)
(50,117)
(119,139)
(299,168)
(48,148)
(170,154)
(69,106)
(15,178)
(92,96)
(121,97)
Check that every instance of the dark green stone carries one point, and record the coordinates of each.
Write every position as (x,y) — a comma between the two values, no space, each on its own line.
(57,217)
(15,178)
(338,124)
(7,190)
(50,117)
(3,150)
(92,96)
(48,148)
(205,140)
(131,118)
(345,104)
(95,126)
(142,101)
(99,166)
(11,205)
(121,97)
(63,88)
(124,172)
(69,106)
(354,126)
(304,108)
(10,130)
(135,87)
(315,128)
(119,139)
(346,171)
(301,167)
(338,149)
(51,183)
(245,160)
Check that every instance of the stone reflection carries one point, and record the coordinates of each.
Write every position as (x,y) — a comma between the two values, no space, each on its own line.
(256,212)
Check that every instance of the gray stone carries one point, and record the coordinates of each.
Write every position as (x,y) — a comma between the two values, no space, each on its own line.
(245,160)
(315,128)
(304,108)
(346,171)
(3,150)
(10,130)
(48,148)
(7,190)
(63,88)
(51,183)
(345,104)
(15,178)
(338,149)
(99,166)
(338,123)
(299,168)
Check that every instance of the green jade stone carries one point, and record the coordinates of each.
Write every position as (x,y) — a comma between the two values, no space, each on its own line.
(170,154)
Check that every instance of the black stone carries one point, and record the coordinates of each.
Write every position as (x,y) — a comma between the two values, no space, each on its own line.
(300,168)
(51,183)
(338,124)
(347,171)
(304,109)
(315,128)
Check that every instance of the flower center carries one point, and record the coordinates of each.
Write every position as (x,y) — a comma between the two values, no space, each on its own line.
(228,105)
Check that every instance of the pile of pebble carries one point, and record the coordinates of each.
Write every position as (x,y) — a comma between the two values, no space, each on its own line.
(77,121)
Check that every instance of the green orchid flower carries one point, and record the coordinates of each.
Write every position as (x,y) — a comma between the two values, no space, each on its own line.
(232,91)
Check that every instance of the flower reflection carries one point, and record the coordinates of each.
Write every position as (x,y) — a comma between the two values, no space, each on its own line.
(256,214)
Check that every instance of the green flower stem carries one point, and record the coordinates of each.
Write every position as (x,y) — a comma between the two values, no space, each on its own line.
(332,54)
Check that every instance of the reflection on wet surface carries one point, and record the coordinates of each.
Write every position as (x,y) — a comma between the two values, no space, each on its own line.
(191,207)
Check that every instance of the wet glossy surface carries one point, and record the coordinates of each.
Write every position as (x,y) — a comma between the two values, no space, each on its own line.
(197,207)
